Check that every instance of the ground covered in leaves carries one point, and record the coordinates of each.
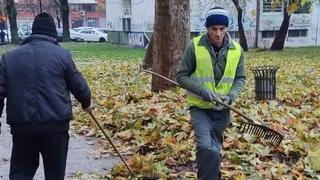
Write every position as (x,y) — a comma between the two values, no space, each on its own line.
(153,130)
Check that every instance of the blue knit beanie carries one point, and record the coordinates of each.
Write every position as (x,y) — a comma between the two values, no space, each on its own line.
(217,16)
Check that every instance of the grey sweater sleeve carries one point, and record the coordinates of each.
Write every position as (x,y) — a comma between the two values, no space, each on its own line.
(239,80)
(186,68)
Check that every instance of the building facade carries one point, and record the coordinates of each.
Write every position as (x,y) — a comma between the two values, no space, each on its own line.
(261,20)
(81,13)
(87,13)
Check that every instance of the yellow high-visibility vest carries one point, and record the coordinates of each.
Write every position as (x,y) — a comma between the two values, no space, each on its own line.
(205,76)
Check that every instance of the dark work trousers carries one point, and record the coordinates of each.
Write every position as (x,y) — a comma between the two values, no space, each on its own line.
(209,126)
(27,148)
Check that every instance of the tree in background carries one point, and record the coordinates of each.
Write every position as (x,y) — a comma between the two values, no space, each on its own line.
(101,5)
(48,6)
(64,9)
(290,6)
(2,15)
(170,37)
(242,38)
(52,8)
(12,15)
(31,6)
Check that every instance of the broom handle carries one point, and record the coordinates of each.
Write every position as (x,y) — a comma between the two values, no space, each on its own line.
(220,102)
(108,138)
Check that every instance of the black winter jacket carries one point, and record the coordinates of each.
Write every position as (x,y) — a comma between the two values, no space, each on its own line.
(37,78)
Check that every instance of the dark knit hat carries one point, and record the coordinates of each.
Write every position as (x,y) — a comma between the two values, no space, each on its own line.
(217,16)
(44,24)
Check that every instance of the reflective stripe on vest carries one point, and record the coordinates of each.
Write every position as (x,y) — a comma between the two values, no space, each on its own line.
(204,73)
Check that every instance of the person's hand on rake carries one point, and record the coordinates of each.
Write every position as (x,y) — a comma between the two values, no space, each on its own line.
(225,100)
(87,107)
(208,95)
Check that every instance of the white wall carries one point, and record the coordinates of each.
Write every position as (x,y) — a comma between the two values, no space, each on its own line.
(306,21)
(142,15)
(199,9)
(114,15)
(142,18)
(272,21)
(82,1)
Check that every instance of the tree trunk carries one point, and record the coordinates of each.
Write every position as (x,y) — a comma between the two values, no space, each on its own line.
(148,58)
(280,37)
(256,42)
(242,39)
(171,35)
(58,19)
(64,9)
(12,15)
(40,6)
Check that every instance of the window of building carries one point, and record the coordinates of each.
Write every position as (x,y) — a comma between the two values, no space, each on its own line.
(92,22)
(74,7)
(234,34)
(268,34)
(298,33)
(127,7)
(126,24)
(89,7)
(271,6)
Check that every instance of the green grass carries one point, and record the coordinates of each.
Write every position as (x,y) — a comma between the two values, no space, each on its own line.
(5,48)
(98,51)
(102,51)
(302,53)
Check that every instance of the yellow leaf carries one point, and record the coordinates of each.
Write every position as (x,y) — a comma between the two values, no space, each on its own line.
(240,177)
(314,159)
(292,8)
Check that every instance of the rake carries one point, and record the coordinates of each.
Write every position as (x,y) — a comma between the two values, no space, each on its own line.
(248,126)
(108,138)
(151,176)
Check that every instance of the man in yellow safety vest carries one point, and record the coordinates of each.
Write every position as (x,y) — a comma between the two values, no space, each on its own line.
(212,68)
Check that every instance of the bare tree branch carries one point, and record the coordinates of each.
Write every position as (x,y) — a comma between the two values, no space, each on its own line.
(58,3)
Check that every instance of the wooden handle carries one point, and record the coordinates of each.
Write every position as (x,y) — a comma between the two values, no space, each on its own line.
(219,102)
(105,134)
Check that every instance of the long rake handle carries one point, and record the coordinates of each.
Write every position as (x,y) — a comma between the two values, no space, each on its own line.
(220,102)
(108,138)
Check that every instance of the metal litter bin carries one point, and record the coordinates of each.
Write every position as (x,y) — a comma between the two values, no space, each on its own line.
(265,82)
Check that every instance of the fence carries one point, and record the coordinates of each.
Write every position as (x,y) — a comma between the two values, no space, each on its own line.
(134,39)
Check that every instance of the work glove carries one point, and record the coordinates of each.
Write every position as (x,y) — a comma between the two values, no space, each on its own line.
(208,95)
(225,100)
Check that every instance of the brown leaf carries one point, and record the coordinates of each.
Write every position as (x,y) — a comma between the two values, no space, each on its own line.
(124,135)
(232,144)
(170,162)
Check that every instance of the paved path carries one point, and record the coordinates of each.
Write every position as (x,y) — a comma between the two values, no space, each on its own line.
(81,163)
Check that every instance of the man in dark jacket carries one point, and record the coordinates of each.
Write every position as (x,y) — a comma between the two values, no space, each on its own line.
(37,78)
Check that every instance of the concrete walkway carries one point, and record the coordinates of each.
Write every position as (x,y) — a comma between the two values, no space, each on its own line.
(81,163)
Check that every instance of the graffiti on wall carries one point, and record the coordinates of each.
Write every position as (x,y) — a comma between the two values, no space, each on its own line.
(109,25)
(298,20)
(142,26)
(273,22)
(197,20)
(136,39)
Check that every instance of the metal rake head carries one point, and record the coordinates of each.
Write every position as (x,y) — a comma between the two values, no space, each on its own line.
(150,176)
(261,131)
